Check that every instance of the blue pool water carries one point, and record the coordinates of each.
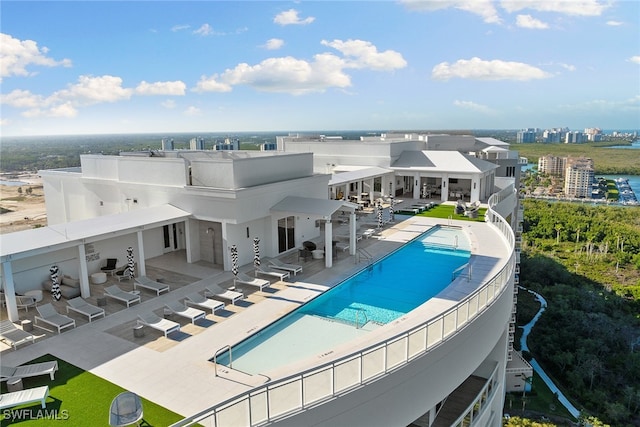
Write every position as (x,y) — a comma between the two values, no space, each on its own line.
(377,295)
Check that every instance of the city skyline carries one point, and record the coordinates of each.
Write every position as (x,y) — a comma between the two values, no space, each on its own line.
(84,67)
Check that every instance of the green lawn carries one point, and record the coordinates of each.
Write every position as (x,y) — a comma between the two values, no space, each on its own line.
(446,211)
(76,398)
(540,400)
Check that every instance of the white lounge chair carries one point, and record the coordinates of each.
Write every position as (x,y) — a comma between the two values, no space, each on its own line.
(147,283)
(22,397)
(251,281)
(116,293)
(203,302)
(33,370)
(79,305)
(48,314)
(126,409)
(268,271)
(25,301)
(14,336)
(342,246)
(154,321)
(291,268)
(190,313)
(216,291)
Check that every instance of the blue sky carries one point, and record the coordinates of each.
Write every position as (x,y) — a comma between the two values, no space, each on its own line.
(80,67)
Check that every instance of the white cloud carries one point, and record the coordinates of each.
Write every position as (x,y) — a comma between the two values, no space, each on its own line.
(635,59)
(290,17)
(483,8)
(204,30)
(211,84)
(169,104)
(192,111)
(63,110)
(568,67)
(528,21)
(92,90)
(363,54)
(16,55)
(21,99)
(615,23)
(161,88)
(568,7)
(606,106)
(470,105)
(274,44)
(478,69)
(177,28)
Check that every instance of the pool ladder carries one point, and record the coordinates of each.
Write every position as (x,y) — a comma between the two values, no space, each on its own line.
(215,358)
(363,253)
(364,313)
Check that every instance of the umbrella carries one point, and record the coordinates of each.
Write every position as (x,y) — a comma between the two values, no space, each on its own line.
(55,285)
(234,262)
(130,262)
(256,253)
(379,207)
(391,213)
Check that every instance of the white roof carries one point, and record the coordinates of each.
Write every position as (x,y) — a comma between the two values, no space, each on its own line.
(322,208)
(442,162)
(357,175)
(73,233)
(493,141)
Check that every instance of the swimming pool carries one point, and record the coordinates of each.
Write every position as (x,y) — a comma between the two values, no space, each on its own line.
(375,296)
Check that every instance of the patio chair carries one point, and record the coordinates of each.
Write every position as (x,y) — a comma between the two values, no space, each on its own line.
(79,305)
(251,281)
(111,267)
(123,273)
(26,371)
(268,271)
(291,268)
(116,293)
(216,291)
(22,397)
(154,321)
(25,301)
(203,302)
(126,409)
(14,336)
(193,314)
(48,314)
(147,283)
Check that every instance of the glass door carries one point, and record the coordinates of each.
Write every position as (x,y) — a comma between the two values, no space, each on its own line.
(286,234)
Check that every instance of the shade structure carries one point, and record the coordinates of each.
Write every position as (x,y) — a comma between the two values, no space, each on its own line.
(391,212)
(130,262)
(234,262)
(379,209)
(256,252)
(55,282)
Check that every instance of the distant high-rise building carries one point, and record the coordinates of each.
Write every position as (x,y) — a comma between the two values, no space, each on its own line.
(269,146)
(227,144)
(167,144)
(196,143)
(578,177)
(575,137)
(552,165)
(555,135)
(526,136)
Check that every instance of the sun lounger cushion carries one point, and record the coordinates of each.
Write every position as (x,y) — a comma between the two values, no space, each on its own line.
(22,397)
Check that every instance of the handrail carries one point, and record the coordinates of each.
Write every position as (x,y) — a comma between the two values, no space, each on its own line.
(366,254)
(459,269)
(433,331)
(361,310)
(215,358)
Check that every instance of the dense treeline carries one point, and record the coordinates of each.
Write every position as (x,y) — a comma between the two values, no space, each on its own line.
(585,261)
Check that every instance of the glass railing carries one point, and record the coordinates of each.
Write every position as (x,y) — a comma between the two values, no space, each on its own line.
(295,393)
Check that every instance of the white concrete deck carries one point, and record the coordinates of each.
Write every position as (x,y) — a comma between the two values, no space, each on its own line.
(182,379)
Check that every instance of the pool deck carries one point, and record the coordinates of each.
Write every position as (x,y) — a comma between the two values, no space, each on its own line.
(176,372)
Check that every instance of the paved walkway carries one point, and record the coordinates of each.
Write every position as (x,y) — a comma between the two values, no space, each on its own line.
(534,363)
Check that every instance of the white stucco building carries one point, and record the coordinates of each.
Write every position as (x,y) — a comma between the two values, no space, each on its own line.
(203,202)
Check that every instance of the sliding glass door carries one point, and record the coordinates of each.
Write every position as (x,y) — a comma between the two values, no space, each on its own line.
(286,234)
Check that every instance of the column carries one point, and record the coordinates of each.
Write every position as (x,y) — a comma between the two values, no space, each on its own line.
(352,233)
(142,271)
(85,289)
(10,292)
(328,243)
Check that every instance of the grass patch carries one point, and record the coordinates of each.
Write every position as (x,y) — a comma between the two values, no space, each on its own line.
(540,400)
(76,398)
(446,211)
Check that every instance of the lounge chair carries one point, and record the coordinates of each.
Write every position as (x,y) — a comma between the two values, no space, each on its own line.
(33,370)
(154,321)
(25,301)
(268,271)
(48,314)
(203,302)
(79,305)
(147,283)
(190,313)
(115,292)
(216,291)
(111,267)
(291,268)
(342,246)
(251,281)
(126,409)
(22,397)
(14,336)
(123,273)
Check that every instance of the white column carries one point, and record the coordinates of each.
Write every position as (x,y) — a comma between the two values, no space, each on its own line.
(352,233)
(10,292)
(85,289)
(416,186)
(328,241)
(142,270)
